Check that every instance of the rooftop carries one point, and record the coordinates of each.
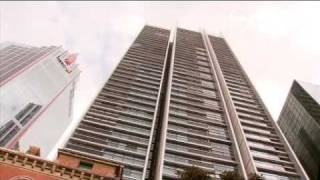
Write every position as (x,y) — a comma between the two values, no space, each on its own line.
(312,89)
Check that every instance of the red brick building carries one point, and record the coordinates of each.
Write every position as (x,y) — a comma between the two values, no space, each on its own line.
(15,165)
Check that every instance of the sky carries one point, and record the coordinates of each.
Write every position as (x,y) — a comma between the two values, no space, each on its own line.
(276,42)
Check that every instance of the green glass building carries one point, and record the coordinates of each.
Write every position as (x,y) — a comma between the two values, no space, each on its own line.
(300,123)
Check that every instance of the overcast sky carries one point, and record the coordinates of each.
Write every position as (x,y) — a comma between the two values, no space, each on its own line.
(275,42)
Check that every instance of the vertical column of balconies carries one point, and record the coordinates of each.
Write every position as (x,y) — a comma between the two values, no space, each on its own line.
(197,132)
(119,124)
(270,155)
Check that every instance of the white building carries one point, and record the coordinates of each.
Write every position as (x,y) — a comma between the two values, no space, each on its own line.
(36,95)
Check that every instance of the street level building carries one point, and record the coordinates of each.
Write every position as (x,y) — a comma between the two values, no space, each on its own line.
(16,165)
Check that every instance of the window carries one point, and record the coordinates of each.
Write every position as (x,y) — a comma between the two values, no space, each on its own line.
(219,168)
(277,177)
(199,49)
(207,84)
(136,45)
(85,165)
(264,155)
(6,127)
(209,93)
(205,76)
(24,111)
(201,53)
(27,113)
(161,34)
(217,132)
(132,174)
(71,95)
(202,58)
(222,150)
(131,147)
(127,172)
(261,145)
(203,63)
(9,135)
(172,171)
(269,165)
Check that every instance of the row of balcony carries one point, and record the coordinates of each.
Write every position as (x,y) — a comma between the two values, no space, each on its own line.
(260,134)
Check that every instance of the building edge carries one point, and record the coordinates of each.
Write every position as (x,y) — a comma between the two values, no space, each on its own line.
(291,153)
(225,106)
(164,125)
(158,106)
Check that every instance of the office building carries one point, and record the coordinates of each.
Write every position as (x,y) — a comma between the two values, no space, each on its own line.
(180,98)
(36,95)
(300,123)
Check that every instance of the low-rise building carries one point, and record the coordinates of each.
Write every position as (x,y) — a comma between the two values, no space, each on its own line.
(16,165)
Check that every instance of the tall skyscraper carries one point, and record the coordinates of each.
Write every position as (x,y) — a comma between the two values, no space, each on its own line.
(170,105)
(121,123)
(300,122)
(195,127)
(36,95)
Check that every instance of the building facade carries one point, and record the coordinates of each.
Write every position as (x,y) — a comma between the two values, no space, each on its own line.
(36,92)
(180,98)
(195,127)
(300,122)
(120,124)
(16,165)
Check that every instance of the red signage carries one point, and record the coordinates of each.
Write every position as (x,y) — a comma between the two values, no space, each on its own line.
(71,59)
(68,61)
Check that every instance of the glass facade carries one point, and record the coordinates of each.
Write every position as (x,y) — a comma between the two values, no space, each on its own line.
(299,120)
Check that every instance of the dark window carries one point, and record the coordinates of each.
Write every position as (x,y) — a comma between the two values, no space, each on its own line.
(7,132)
(6,127)
(5,139)
(85,166)
(24,111)
(27,113)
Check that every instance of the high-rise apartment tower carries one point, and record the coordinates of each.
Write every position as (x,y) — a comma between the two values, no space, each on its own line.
(179,99)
